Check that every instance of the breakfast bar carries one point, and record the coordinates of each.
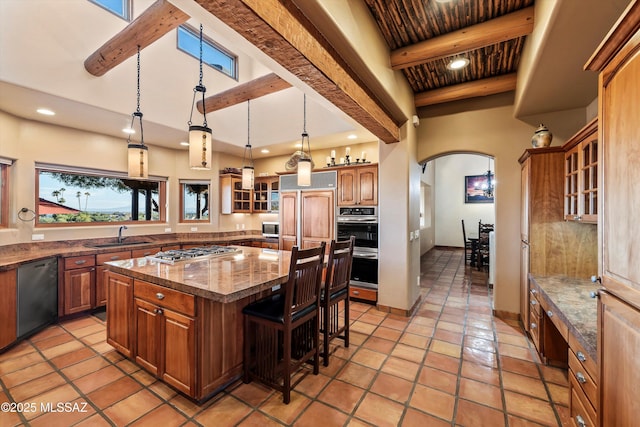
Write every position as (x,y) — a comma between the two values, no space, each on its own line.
(182,320)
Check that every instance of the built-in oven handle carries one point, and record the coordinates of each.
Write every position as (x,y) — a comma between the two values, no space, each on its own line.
(365,255)
(356,219)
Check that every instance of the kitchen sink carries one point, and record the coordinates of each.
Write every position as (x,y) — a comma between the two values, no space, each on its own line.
(116,244)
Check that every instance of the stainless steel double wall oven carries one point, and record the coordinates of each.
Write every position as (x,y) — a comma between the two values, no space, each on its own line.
(361,222)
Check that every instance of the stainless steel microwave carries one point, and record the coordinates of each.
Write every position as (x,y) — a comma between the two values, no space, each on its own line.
(271,229)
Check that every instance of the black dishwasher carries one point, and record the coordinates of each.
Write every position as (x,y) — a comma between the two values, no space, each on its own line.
(37,295)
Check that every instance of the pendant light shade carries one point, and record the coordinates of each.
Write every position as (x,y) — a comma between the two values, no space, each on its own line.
(247,163)
(200,137)
(304,163)
(137,153)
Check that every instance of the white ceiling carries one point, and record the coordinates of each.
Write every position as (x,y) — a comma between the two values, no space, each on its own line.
(42,66)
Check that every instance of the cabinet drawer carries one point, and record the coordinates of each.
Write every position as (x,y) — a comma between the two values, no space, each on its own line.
(534,328)
(562,328)
(582,413)
(363,293)
(534,306)
(112,256)
(269,245)
(165,297)
(73,262)
(140,253)
(583,357)
(583,379)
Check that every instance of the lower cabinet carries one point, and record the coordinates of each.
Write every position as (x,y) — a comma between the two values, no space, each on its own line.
(101,268)
(79,284)
(120,312)
(8,307)
(583,386)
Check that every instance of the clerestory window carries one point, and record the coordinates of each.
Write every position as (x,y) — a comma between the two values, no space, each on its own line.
(121,8)
(213,54)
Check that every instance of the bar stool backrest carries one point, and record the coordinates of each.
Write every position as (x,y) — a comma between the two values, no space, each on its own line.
(305,279)
(339,266)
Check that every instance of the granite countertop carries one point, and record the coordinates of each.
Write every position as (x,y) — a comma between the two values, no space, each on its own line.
(12,256)
(223,278)
(572,302)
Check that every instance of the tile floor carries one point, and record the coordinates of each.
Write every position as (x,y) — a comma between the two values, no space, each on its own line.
(451,364)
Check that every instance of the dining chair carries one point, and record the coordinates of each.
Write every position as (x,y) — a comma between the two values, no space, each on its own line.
(483,258)
(469,246)
(335,290)
(281,332)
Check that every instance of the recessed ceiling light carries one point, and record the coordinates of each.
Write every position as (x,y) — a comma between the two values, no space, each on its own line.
(299,145)
(265,151)
(128,131)
(184,143)
(352,136)
(45,112)
(458,63)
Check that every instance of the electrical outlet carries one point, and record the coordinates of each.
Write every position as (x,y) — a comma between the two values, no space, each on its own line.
(37,237)
(167,230)
(411,236)
(418,281)
(243,226)
(237,226)
(194,228)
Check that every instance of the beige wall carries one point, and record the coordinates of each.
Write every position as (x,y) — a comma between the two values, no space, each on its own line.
(497,133)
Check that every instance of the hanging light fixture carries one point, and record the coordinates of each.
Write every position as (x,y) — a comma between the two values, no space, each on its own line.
(304,163)
(488,186)
(199,136)
(137,154)
(247,169)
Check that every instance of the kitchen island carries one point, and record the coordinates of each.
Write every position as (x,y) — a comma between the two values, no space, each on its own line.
(183,321)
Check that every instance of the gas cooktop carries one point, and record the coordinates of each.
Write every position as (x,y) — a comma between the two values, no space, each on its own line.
(173,255)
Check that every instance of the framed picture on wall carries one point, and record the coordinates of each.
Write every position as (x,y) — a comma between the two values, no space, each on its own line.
(474,189)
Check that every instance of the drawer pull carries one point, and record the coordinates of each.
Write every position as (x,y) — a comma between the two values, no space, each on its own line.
(115,257)
(81,261)
(533,291)
(580,377)
(158,311)
(533,325)
(581,356)
(580,421)
(356,292)
(160,295)
(533,302)
(550,313)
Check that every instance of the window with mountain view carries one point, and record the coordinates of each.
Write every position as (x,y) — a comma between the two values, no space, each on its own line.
(121,8)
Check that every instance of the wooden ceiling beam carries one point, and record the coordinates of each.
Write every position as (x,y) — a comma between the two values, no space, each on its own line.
(489,86)
(506,27)
(159,18)
(282,31)
(261,86)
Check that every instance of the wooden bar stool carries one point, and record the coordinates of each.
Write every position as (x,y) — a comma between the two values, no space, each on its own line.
(336,289)
(281,332)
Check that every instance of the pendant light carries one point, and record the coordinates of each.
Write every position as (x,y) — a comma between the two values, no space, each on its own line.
(247,169)
(488,187)
(199,136)
(137,154)
(304,163)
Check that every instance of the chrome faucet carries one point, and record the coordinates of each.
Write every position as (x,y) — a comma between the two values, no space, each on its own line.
(120,238)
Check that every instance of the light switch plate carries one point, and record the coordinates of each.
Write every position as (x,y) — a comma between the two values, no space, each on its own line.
(37,237)
(411,236)
(194,228)
(167,230)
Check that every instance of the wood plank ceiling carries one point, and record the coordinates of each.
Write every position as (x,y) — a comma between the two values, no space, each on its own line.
(424,35)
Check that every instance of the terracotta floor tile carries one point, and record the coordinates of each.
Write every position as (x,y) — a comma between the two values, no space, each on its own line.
(439,380)
(335,365)
(23,360)
(132,408)
(254,393)
(517,352)
(256,419)
(448,326)
(64,393)
(311,385)
(392,387)
(369,358)
(127,366)
(164,416)
(362,327)
(448,336)
(79,323)
(555,375)
(480,343)
(75,412)
(319,415)
(341,395)
(65,348)
(446,348)
(406,352)
(416,418)
(433,401)
(72,358)
(371,318)
(85,367)
(53,341)
(517,340)
(379,411)
(401,368)
(396,324)
(358,375)
(89,330)
(530,408)
(114,392)
(387,333)
(184,405)
(97,379)
(378,344)
(480,357)
(285,413)
(479,392)
(472,414)
(48,332)
(93,339)
(486,334)
(442,362)
(519,366)
(144,377)
(36,387)
(521,422)
(559,394)
(524,385)
(482,373)
(26,374)
(96,420)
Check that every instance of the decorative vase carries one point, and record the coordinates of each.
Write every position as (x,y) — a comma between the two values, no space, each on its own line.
(542,137)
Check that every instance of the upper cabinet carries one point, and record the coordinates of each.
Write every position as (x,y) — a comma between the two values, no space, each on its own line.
(263,198)
(581,175)
(358,185)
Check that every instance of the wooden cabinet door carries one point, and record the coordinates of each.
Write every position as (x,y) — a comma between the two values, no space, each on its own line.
(147,335)
(120,321)
(524,285)
(347,182)
(78,289)
(524,201)
(619,345)
(8,304)
(367,191)
(178,351)
(288,219)
(317,215)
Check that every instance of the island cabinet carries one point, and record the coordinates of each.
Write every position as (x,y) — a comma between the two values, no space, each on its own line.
(617,60)
(358,185)
(101,268)
(78,286)
(120,326)
(581,175)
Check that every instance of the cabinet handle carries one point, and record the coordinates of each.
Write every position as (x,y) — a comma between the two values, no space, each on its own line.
(577,217)
(158,311)
(160,295)
(356,292)
(550,313)
(115,257)
(533,302)
(580,377)
(581,356)
(594,294)
(580,421)
(533,291)
(80,262)
(533,325)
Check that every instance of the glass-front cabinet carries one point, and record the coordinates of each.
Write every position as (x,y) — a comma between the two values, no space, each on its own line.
(264,197)
(581,175)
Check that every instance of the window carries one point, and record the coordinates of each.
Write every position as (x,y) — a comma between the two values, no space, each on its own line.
(212,54)
(4,192)
(67,196)
(122,8)
(194,201)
